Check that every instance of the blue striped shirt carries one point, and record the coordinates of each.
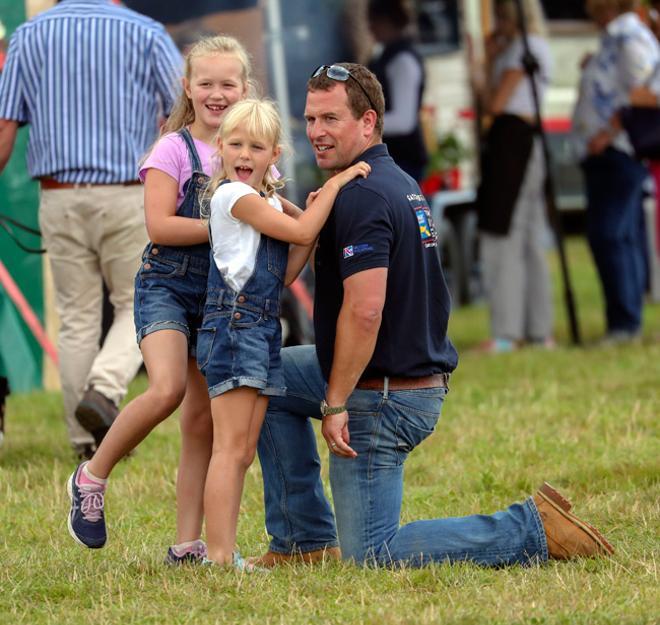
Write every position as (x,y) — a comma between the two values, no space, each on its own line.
(91,78)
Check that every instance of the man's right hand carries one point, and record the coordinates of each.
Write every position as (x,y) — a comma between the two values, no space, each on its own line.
(335,432)
(344,177)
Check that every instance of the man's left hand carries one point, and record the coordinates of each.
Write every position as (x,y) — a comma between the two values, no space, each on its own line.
(335,433)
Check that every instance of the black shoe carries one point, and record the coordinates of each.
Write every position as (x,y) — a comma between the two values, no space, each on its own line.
(96,413)
(85,452)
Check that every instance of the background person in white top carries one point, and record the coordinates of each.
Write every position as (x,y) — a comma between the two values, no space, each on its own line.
(511,202)
(240,338)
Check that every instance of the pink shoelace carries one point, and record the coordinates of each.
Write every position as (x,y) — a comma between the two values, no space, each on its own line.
(92,502)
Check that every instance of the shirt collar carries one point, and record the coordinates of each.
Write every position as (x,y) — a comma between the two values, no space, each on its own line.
(375,151)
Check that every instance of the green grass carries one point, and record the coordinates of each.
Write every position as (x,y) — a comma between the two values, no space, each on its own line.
(584,419)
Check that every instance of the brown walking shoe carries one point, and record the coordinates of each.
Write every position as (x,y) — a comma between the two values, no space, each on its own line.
(567,535)
(96,413)
(272,558)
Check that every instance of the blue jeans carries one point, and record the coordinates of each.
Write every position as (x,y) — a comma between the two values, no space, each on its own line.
(615,228)
(367,491)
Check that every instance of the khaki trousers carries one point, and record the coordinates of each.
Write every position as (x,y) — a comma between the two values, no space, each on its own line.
(93,234)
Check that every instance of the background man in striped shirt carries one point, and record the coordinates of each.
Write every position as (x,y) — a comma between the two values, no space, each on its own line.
(91,78)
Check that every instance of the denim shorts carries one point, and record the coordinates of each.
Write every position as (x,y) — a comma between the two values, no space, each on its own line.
(238,346)
(170,290)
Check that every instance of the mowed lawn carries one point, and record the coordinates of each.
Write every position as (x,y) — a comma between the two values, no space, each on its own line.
(585,419)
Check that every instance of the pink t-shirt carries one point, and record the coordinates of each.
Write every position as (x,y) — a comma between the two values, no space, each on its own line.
(170,155)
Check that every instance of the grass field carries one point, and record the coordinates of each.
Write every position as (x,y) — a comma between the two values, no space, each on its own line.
(584,419)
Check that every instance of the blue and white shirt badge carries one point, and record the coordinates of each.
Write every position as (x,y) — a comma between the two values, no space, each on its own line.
(353,250)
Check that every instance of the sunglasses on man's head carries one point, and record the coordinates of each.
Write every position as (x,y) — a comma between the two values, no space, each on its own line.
(340,73)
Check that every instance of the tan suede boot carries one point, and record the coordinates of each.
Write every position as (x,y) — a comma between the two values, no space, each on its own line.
(567,535)
(272,558)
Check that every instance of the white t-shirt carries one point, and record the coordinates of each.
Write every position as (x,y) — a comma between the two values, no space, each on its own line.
(404,74)
(235,243)
(521,101)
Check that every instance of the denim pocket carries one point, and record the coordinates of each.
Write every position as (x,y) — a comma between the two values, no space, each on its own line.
(245,318)
(412,429)
(417,415)
(205,338)
(154,267)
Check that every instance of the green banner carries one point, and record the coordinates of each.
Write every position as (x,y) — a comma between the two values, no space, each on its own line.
(19,199)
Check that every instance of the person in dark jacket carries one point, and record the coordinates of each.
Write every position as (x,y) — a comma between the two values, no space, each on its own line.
(400,70)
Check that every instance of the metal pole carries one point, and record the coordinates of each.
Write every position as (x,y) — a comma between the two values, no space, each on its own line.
(531,67)
(275,46)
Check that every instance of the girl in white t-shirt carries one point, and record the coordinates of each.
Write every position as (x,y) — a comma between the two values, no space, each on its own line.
(240,338)
(170,290)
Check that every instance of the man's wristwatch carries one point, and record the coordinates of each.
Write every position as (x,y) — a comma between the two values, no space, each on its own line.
(328,410)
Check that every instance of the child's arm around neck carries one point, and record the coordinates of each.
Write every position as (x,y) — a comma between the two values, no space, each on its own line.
(257,212)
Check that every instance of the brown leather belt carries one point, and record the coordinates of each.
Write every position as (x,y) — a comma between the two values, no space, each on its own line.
(50,183)
(440,380)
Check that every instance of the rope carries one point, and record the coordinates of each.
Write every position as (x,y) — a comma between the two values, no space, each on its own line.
(6,223)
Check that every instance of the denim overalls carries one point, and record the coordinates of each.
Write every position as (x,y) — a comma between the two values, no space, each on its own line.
(240,338)
(170,287)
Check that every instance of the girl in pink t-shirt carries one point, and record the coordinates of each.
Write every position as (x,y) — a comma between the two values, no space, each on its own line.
(170,290)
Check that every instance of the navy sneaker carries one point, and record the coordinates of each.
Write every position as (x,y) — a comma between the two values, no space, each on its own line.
(194,553)
(86,518)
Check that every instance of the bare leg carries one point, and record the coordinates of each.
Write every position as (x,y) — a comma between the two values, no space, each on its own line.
(196,445)
(237,419)
(165,356)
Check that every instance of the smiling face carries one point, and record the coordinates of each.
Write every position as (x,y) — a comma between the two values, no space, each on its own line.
(216,82)
(336,136)
(246,158)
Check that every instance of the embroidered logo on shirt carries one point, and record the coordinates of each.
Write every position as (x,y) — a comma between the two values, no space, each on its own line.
(427,230)
(352,250)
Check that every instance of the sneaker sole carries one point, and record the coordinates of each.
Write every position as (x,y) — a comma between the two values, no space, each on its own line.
(559,503)
(68,520)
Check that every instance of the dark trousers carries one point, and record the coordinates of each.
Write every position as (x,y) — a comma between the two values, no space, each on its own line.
(615,229)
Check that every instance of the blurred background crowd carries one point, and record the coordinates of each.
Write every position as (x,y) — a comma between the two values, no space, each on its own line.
(462,119)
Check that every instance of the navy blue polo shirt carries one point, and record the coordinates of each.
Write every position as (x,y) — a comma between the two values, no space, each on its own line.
(384,221)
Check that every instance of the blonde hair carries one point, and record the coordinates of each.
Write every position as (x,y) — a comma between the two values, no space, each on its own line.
(262,121)
(183,113)
(534,15)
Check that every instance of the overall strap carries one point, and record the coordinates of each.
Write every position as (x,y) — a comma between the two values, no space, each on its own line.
(225,181)
(195,161)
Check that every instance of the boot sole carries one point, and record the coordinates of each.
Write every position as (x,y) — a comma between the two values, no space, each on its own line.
(556,497)
(315,557)
(90,419)
(93,422)
(558,502)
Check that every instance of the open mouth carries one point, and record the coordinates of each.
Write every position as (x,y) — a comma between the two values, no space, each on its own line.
(243,173)
(323,148)
(216,108)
